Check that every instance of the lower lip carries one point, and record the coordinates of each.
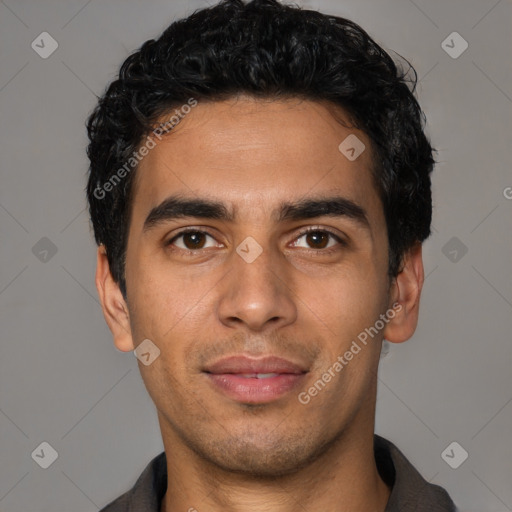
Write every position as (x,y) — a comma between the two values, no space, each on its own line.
(251,390)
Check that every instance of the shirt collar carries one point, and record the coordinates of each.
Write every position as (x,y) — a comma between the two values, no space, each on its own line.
(410,491)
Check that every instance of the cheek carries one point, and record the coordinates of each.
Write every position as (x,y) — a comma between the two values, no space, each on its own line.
(356,291)
(342,308)
(170,310)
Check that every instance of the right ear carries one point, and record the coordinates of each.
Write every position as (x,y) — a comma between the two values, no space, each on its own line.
(113,304)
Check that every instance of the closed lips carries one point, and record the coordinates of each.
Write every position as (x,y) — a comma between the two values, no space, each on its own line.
(258,375)
(262,368)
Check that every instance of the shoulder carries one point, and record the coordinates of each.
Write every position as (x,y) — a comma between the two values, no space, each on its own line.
(410,491)
(147,492)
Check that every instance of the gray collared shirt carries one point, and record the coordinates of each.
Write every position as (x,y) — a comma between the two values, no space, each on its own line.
(410,491)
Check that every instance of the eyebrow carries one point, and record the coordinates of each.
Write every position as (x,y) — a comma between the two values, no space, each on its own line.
(176,207)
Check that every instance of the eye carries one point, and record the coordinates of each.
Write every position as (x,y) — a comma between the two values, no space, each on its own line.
(318,239)
(191,240)
(315,239)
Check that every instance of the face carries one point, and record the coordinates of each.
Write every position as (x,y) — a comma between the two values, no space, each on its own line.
(253,235)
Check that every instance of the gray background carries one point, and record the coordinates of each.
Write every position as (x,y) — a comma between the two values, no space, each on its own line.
(62,380)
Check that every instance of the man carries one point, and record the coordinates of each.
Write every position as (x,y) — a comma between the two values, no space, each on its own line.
(259,190)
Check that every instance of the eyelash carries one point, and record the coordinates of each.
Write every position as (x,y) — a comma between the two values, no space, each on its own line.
(329,250)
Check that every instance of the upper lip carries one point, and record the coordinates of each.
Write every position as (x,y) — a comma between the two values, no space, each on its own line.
(244,364)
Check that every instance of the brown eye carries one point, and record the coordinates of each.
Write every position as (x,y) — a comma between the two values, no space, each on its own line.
(191,240)
(317,239)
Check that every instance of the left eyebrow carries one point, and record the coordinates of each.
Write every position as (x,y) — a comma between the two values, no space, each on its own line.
(175,207)
(336,206)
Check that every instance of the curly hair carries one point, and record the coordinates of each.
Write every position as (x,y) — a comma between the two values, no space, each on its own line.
(268,50)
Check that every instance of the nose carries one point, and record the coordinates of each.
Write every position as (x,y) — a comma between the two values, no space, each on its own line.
(258,294)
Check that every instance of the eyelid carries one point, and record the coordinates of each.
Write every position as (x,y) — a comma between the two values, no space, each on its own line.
(313,229)
(310,229)
(186,230)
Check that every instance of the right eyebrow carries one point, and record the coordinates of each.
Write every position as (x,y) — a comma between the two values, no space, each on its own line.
(175,207)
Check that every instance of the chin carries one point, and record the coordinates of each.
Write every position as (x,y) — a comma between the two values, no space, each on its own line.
(263,458)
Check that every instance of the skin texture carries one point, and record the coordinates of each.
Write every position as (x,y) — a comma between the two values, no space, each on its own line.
(296,301)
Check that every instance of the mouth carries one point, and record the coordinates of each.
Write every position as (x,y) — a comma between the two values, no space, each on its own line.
(255,381)
(257,375)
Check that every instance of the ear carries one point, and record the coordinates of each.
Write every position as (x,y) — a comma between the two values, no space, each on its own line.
(405,297)
(113,304)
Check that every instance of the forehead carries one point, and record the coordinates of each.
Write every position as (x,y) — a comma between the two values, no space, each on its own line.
(254,154)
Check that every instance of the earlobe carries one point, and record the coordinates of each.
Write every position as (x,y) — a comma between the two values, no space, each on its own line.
(405,297)
(115,309)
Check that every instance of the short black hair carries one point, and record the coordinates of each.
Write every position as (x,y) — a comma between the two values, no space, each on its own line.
(267,50)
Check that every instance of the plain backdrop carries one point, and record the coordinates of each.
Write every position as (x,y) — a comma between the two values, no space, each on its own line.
(61,379)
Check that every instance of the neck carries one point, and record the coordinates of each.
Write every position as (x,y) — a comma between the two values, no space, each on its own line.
(345,478)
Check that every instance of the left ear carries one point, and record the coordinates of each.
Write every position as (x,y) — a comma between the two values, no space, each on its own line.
(405,297)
